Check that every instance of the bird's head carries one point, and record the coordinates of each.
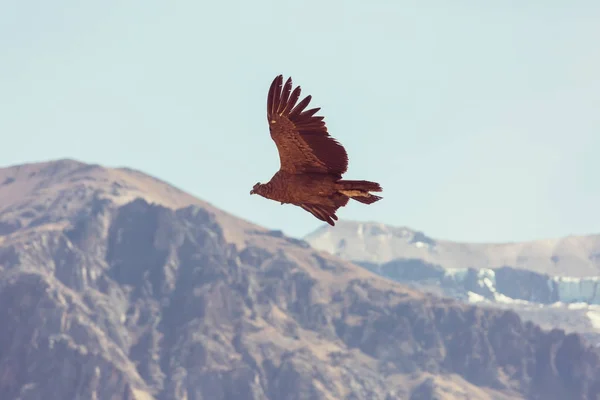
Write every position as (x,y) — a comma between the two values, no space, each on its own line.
(257,189)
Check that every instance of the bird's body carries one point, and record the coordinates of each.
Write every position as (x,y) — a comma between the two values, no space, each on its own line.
(312,162)
(283,187)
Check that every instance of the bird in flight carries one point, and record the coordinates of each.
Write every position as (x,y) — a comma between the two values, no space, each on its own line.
(311,161)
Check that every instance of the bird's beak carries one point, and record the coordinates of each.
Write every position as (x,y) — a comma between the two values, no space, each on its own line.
(252,192)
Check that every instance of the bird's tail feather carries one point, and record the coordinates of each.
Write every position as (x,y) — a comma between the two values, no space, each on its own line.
(359,190)
(367,199)
(367,186)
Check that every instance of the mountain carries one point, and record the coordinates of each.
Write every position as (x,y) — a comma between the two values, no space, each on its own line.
(572,256)
(553,283)
(115,285)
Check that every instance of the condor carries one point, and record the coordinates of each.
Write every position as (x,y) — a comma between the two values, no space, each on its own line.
(311,161)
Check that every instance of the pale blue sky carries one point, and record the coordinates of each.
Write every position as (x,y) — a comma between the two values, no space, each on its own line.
(481,120)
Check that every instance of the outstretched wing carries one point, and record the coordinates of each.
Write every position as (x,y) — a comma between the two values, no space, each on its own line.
(302,139)
(324,213)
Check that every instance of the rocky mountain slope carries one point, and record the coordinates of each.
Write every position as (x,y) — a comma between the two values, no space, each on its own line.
(508,276)
(115,285)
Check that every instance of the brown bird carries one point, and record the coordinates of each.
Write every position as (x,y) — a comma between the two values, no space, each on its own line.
(311,161)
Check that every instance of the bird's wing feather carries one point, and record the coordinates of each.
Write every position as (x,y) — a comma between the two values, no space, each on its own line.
(324,213)
(301,138)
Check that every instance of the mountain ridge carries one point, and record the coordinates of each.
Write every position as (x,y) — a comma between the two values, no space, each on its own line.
(107,292)
(125,184)
(577,256)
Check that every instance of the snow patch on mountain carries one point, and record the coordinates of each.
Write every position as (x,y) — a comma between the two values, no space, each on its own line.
(566,289)
(573,289)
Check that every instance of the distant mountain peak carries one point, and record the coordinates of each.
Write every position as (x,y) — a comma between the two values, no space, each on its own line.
(367,241)
(379,243)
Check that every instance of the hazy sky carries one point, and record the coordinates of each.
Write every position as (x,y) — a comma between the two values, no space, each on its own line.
(481,121)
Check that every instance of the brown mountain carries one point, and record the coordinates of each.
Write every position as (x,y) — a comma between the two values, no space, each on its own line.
(115,285)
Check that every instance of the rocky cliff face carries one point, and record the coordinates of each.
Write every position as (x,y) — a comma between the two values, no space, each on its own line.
(571,304)
(560,301)
(109,296)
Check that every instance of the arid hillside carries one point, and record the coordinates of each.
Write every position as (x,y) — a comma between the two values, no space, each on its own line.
(115,285)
